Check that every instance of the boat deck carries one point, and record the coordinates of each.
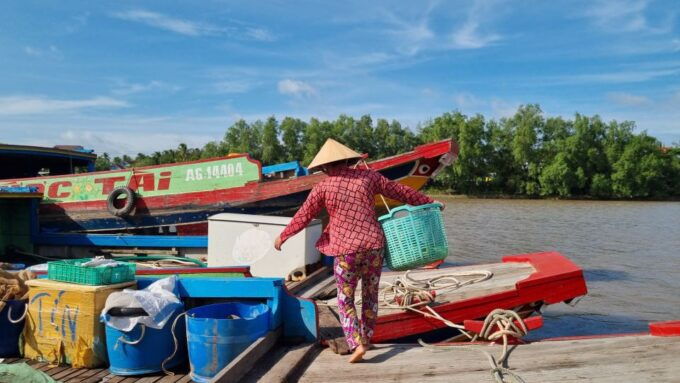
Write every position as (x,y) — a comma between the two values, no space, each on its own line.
(505,276)
(67,374)
(640,358)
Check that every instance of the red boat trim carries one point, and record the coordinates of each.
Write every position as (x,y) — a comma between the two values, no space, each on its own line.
(191,270)
(556,279)
(669,328)
(197,270)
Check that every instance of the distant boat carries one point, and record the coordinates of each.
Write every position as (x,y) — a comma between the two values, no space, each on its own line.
(186,194)
(20,161)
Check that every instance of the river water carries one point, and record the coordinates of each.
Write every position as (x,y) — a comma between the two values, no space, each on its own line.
(630,252)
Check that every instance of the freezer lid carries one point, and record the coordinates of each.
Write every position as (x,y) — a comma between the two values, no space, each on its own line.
(252,218)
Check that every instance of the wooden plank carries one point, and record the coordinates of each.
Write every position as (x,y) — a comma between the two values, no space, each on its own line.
(296,288)
(98,377)
(115,379)
(172,378)
(607,360)
(330,330)
(185,379)
(68,374)
(291,365)
(86,374)
(9,360)
(323,284)
(238,367)
(151,379)
(505,276)
(56,370)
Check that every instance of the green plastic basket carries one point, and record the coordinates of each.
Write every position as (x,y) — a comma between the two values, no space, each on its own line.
(72,271)
(415,236)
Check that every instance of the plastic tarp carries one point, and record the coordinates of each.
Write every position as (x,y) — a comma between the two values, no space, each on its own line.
(22,372)
(159,300)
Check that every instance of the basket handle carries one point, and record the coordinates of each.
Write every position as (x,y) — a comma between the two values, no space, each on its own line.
(15,321)
(363,161)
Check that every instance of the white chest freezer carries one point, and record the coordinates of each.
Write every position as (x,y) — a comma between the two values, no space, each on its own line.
(248,240)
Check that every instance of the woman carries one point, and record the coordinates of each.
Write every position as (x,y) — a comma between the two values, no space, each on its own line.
(353,235)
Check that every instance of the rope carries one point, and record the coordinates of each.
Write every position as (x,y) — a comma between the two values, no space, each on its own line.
(175,344)
(504,321)
(133,342)
(409,293)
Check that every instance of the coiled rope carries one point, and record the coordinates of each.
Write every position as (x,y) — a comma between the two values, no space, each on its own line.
(409,293)
(416,295)
(504,323)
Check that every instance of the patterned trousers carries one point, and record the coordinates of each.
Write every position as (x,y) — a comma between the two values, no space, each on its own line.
(348,269)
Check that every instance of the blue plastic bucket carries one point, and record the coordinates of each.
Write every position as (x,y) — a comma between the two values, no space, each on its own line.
(143,349)
(10,332)
(215,340)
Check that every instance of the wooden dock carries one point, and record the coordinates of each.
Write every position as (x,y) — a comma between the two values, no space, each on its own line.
(640,358)
(67,374)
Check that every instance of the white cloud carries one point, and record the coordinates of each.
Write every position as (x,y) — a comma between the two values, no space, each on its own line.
(194,28)
(49,52)
(260,34)
(628,99)
(17,105)
(125,88)
(295,88)
(158,20)
(466,100)
(471,35)
(618,16)
(234,86)
(620,77)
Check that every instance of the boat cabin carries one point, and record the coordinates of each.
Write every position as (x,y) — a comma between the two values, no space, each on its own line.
(33,161)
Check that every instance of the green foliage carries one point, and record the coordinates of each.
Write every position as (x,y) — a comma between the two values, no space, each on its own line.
(524,154)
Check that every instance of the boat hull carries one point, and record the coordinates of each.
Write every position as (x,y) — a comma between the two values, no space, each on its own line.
(190,202)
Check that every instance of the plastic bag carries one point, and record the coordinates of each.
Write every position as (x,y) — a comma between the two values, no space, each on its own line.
(158,300)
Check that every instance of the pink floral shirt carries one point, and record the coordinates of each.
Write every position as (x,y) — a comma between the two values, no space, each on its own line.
(348,195)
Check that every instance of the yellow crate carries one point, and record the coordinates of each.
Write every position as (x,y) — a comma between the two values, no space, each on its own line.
(62,325)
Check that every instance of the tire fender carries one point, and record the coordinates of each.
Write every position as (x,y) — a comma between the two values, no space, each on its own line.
(129,201)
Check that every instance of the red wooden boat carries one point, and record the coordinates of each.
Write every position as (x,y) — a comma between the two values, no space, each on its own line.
(523,282)
(188,193)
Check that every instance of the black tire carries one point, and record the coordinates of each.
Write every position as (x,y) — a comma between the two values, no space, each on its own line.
(129,201)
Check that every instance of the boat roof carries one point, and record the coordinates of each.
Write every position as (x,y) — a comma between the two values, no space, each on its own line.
(19,192)
(286,166)
(28,161)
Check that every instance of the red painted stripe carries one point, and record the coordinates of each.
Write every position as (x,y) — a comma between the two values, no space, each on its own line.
(670,328)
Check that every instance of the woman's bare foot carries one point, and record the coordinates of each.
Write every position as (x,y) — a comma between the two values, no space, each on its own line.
(358,354)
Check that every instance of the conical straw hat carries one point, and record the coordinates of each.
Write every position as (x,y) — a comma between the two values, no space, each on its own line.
(332,151)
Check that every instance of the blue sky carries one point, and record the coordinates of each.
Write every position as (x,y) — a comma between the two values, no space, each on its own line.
(139,76)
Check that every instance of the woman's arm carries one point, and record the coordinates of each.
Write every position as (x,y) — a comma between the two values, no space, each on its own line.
(399,192)
(304,215)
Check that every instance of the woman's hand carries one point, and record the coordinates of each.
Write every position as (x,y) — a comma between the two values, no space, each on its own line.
(441,205)
(277,243)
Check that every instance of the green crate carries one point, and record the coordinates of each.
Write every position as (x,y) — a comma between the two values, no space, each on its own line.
(72,271)
(415,236)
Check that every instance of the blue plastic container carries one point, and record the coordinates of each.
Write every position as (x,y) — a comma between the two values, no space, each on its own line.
(10,332)
(146,356)
(215,340)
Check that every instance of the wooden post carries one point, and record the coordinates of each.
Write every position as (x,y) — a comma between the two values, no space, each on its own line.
(243,363)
